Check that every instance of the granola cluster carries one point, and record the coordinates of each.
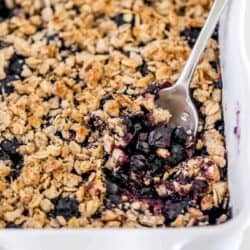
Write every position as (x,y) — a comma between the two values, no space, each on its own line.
(82,143)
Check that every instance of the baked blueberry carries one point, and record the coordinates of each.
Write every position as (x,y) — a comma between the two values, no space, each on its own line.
(119,19)
(177,155)
(138,163)
(66,207)
(143,147)
(4,156)
(16,65)
(214,213)
(173,208)
(156,165)
(191,35)
(180,135)
(112,188)
(143,69)
(199,186)
(220,126)
(155,88)
(160,137)
(119,178)
(6,84)
(9,152)
(10,146)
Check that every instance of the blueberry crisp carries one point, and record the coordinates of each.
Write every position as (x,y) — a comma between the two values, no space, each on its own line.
(82,141)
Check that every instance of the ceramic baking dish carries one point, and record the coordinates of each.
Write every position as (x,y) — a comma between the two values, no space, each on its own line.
(235,64)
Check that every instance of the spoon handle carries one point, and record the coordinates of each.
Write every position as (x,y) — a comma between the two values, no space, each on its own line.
(201,42)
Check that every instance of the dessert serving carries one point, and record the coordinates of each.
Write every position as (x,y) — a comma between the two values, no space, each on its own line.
(82,140)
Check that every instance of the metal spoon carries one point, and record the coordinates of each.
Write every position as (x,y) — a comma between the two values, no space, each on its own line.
(177,98)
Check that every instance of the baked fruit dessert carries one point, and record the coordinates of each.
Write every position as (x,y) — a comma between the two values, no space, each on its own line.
(82,142)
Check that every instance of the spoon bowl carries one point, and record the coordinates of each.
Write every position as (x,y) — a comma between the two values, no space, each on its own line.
(177,98)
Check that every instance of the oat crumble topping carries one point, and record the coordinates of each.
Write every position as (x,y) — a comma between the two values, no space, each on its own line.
(82,143)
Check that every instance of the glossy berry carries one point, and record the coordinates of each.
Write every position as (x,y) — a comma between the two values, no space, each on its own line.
(177,155)
(172,209)
(9,152)
(220,126)
(112,188)
(10,146)
(115,199)
(180,136)
(143,147)
(160,137)
(16,65)
(119,19)
(199,186)
(6,84)
(156,164)
(118,178)
(66,207)
(138,163)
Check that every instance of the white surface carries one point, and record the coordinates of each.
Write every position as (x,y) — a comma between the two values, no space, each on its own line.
(222,237)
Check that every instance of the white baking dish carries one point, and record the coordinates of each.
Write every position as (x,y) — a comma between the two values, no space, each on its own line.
(223,237)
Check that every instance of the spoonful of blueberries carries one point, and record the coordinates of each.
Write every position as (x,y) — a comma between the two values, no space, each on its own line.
(177,98)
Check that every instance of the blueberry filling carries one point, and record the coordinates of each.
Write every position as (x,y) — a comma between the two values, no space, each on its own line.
(148,153)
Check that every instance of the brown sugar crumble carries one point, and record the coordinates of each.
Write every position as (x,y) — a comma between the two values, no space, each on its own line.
(82,143)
